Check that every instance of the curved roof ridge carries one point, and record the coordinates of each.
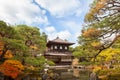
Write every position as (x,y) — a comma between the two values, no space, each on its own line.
(58,40)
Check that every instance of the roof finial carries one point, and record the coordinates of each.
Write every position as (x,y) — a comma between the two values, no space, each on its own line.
(57,37)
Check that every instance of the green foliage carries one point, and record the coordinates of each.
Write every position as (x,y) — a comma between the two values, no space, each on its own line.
(102,30)
(25,42)
(35,61)
(85,63)
(111,74)
(12,40)
(78,52)
(32,36)
(51,63)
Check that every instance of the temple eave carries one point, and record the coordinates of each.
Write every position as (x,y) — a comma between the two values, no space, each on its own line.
(67,43)
(57,54)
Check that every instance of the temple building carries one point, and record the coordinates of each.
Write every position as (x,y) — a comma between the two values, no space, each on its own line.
(58,51)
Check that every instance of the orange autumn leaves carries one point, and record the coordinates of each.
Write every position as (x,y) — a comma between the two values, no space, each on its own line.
(1,47)
(91,32)
(8,54)
(11,68)
(99,5)
(96,10)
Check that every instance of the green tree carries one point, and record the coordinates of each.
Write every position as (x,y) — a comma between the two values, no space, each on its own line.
(11,39)
(26,43)
(102,30)
(34,41)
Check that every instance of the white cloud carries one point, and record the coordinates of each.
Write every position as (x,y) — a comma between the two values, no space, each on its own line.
(21,11)
(60,8)
(85,6)
(64,34)
(78,12)
(27,12)
(53,33)
(50,29)
(73,26)
(77,34)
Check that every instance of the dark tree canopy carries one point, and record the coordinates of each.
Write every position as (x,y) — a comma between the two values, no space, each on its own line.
(102,29)
(24,41)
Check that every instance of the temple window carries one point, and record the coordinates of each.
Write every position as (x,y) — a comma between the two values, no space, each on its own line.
(61,47)
(66,48)
(55,47)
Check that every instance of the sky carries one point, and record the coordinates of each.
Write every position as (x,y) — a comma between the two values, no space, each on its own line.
(57,18)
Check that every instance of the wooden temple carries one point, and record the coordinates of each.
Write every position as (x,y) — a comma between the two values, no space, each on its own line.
(58,51)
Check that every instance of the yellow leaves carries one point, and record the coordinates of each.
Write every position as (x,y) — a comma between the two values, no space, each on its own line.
(34,47)
(96,68)
(32,68)
(95,44)
(110,51)
(8,54)
(11,68)
(110,54)
(91,32)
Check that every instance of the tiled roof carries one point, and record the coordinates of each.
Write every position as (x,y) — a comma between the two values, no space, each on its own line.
(58,40)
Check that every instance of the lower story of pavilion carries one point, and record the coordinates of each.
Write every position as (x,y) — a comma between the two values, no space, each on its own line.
(59,58)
